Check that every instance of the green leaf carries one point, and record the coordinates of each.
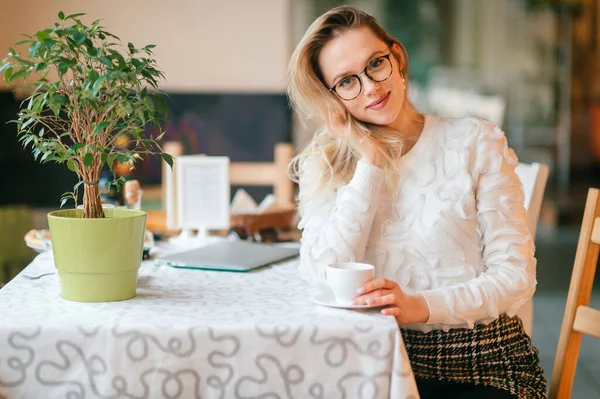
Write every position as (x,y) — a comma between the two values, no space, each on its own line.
(62,68)
(120,60)
(41,66)
(4,66)
(75,147)
(76,186)
(110,35)
(26,140)
(27,123)
(49,43)
(98,84)
(59,99)
(45,157)
(88,159)
(42,35)
(106,61)
(19,74)
(8,74)
(93,75)
(101,126)
(168,159)
(55,109)
(111,160)
(78,37)
(71,165)
(73,16)
(33,49)
(61,15)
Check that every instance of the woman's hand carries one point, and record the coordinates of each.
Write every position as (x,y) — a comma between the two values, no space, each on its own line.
(405,308)
(370,152)
(367,149)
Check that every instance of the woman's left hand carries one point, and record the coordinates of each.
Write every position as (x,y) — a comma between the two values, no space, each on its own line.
(405,308)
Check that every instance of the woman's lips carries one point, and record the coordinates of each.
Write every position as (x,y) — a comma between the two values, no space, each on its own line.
(380,102)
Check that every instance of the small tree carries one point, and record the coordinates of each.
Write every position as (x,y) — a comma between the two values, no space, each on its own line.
(89,92)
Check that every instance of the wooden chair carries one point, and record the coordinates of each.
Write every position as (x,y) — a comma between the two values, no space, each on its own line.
(533,176)
(579,318)
(268,174)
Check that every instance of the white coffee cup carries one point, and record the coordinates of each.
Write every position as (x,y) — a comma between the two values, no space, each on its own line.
(345,279)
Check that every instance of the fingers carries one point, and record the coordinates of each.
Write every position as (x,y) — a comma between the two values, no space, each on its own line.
(378,283)
(370,297)
(389,299)
(391,311)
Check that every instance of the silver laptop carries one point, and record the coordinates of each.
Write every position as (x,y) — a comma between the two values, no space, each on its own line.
(237,256)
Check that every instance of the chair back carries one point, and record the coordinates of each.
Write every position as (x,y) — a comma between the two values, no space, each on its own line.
(533,177)
(268,174)
(578,318)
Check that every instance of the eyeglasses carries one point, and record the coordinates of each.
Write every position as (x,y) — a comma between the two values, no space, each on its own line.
(350,87)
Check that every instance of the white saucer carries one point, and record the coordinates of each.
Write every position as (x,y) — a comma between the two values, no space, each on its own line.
(327,299)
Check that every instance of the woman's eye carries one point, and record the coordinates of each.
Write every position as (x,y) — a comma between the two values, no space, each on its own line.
(345,82)
(376,63)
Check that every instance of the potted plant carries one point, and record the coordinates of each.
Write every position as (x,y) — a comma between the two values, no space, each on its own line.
(86,93)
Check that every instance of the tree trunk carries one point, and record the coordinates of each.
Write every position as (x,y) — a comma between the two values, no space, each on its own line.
(92,205)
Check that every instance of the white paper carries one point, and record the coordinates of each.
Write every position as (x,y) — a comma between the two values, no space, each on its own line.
(203,192)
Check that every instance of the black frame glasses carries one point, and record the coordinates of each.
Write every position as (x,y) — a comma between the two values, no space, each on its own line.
(365,71)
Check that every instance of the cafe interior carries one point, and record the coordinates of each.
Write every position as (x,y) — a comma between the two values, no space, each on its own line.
(531,67)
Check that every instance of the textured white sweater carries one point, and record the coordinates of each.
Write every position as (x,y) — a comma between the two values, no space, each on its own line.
(454,231)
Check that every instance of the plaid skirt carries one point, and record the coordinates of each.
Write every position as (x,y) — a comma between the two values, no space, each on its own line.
(498,355)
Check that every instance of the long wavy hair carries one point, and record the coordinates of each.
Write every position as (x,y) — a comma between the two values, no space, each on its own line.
(336,144)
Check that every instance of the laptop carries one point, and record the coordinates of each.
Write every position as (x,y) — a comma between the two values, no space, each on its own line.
(235,256)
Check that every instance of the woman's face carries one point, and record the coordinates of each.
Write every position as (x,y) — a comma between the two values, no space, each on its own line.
(349,54)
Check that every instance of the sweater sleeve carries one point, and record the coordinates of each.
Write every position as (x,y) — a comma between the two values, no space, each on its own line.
(508,279)
(336,226)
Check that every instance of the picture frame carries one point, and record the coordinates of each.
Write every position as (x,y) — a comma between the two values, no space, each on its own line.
(202,192)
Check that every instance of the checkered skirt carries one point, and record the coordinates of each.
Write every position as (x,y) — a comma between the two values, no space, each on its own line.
(498,355)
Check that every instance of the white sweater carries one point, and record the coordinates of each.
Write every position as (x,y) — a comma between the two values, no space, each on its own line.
(455,230)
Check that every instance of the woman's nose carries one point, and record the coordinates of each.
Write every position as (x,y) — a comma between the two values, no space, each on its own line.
(370,86)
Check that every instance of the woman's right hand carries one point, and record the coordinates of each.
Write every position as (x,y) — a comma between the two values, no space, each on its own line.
(367,148)
(370,152)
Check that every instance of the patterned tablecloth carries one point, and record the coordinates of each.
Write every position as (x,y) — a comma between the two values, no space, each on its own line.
(195,334)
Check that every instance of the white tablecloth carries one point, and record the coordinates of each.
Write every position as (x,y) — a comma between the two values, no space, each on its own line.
(195,334)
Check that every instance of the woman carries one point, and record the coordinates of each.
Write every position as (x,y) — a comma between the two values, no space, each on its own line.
(433,203)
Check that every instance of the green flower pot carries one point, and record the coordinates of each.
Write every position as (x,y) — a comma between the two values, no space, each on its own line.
(97,259)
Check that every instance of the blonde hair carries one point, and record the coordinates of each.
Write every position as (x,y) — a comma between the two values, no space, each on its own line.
(336,145)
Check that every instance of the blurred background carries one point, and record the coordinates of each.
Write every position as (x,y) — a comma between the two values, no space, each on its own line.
(530,66)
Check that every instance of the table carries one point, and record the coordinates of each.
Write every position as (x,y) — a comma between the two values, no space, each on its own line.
(195,334)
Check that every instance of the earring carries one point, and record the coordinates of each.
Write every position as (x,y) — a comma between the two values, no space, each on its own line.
(402,76)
